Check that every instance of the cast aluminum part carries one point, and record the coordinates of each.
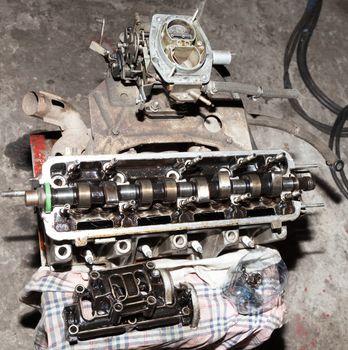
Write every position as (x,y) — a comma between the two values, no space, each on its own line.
(173,50)
(181,52)
(132,297)
(151,205)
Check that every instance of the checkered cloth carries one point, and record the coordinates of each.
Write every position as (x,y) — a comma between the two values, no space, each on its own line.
(220,325)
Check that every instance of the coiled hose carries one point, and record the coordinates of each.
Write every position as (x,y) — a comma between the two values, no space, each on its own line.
(300,39)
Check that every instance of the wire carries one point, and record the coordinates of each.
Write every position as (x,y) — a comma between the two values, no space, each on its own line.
(335,138)
(300,39)
(305,25)
(302,50)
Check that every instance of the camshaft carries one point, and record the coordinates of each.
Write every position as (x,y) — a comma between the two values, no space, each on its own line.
(167,190)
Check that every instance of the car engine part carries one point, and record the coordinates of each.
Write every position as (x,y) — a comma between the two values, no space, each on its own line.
(132,297)
(160,91)
(167,169)
(132,207)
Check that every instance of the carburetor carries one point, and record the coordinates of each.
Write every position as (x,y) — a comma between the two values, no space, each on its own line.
(172,51)
(167,168)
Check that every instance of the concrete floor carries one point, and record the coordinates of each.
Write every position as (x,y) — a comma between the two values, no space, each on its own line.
(44,45)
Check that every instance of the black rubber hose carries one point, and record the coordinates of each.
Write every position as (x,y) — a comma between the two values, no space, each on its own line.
(311,11)
(302,50)
(300,38)
(335,139)
(293,40)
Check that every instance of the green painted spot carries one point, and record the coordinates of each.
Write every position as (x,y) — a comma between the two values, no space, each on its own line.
(48,202)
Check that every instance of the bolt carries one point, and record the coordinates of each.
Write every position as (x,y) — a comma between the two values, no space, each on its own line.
(192,162)
(197,247)
(312,205)
(109,165)
(286,196)
(247,159)
(146,250)
(186,310)
(88,256)
(296,194)
(277,158)
(150,265)
(12,193)
(154,106)
(65,211)
(73,167)
(248,242)
(128,205)
(155,273)
(291,195)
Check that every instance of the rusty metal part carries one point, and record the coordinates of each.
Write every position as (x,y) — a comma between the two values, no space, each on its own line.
(54,110)
(130,131)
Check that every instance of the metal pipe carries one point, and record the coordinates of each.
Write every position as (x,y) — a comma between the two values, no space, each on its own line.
(221,57)
(54,110)
(215,87)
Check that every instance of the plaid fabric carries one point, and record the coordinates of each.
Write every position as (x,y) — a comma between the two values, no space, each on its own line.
(220,325)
